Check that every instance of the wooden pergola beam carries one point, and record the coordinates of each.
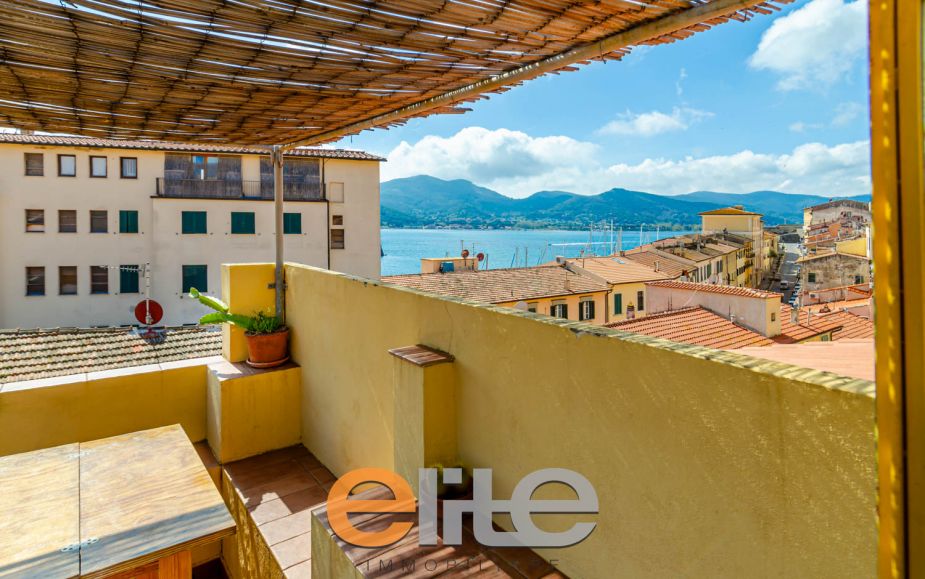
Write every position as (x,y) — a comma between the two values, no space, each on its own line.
(634,36)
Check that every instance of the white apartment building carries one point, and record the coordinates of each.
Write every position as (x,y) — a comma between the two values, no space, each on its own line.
(81,218)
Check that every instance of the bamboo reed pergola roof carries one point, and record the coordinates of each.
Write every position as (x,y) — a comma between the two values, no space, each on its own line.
(299,72)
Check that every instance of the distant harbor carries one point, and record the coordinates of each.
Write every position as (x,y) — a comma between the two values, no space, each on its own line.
(504,248)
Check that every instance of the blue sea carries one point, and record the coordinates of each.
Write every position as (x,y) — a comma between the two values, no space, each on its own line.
(503,248)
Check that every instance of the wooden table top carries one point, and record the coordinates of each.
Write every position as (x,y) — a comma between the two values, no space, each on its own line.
(126,501)
(39,513)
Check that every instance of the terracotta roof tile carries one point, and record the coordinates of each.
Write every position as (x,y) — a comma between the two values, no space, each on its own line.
(698,326)
(62,141)
(670,267)
(842,324)
(501,285)
(728,290)
(34,354)
(617,269)
(728,211)
(816,256)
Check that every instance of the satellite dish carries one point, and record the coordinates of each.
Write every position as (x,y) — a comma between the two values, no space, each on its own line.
(465,253)
(149,312)
(522,306)
(480,256)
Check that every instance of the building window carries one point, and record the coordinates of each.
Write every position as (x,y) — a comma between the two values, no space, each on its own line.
(128,167)
(559,310)
(128,221)
(773,317)
(128,279)
(35,281)
(99,279)
(67,166)
(205,167)
(243,222)
(617,304)
(811,277)
(337,239)
(67,221)
(586,310)
(292,223)
(35,164)
(194,276)
(858,279)
(99,222)
(67,280)
(640,301)
(194,222)
(532,307)
(97,166)
(337,220)
(35,220)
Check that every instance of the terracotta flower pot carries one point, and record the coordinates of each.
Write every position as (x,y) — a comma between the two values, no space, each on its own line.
(268,350)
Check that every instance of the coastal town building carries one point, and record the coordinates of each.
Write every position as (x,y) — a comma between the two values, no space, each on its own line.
(730,318)
(552,290)
(833,269)
(625,279)
(748,224)
(846,211)
(89,223)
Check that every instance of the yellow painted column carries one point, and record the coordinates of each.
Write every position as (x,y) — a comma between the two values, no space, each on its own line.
(247,289)
(425,410)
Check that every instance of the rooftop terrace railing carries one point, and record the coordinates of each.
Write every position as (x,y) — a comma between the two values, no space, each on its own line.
(235,189)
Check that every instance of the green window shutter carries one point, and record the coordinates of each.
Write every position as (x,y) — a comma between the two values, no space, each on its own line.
(618,303)
(194,222)
(242,222)
(195,276)
(812,278)
(128,221)
(292,223)
(128,279)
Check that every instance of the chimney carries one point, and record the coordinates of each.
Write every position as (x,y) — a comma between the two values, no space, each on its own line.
(739,207)
(656,265)
(560,259)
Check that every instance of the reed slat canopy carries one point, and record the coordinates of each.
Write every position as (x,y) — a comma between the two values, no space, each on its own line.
(300,71)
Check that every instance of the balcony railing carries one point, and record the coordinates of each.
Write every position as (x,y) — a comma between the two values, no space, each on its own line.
(235,189)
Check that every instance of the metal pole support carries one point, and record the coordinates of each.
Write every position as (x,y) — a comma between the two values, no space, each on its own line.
(279,285)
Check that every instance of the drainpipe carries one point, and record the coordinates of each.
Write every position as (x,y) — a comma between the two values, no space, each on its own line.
(279,284)
(327,216)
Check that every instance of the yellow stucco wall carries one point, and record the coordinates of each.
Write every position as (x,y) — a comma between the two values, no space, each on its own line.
(707,463)
(856,246)
(86,407)
(544,305)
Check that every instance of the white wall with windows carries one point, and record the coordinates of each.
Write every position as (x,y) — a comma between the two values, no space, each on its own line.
(80,223)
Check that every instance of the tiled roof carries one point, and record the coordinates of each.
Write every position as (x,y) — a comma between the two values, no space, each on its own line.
(698,326)
(728,211)
(616,269)
(670,267)
(702,327)
(834,306)
(843,325)
(728,290)
(853,358)
(61,141)
(837,202)
(34,354)
(501,285)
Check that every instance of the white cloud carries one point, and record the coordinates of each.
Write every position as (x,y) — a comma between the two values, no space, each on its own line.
(517,164)
(679,84)
(654,122)
(815,46)
(484,156)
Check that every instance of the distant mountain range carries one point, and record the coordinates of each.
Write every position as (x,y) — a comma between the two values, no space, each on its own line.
(425,201)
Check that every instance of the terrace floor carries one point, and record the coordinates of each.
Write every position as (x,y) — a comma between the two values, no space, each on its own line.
(280,489)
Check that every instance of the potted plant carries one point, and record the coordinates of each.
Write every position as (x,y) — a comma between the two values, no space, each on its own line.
(267,338)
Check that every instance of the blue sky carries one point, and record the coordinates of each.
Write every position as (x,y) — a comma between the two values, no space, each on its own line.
(779,102)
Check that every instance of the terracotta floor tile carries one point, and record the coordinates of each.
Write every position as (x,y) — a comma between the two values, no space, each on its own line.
(293,551)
